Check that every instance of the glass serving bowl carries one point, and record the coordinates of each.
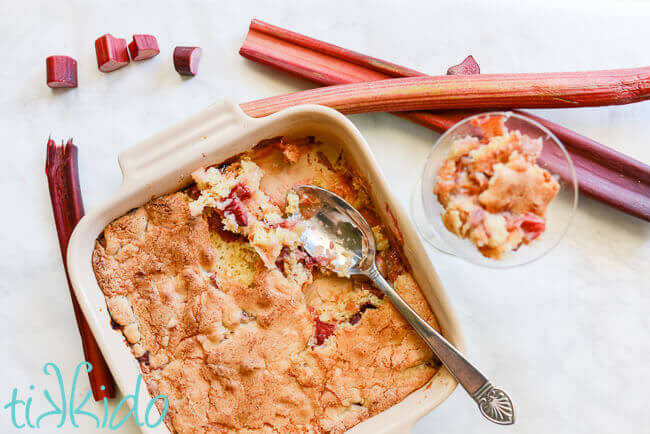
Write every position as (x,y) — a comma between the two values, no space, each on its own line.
(426,210)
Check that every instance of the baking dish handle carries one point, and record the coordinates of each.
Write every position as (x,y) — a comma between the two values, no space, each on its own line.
(181,144)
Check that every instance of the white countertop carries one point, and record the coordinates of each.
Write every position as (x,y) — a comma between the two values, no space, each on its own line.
(567,336)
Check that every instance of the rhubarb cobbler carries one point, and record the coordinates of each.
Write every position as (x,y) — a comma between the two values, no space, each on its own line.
(492,190)
(236,324)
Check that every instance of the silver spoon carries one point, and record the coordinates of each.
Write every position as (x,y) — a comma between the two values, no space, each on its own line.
(335,227)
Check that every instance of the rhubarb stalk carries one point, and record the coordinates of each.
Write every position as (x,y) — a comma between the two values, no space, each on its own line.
(63,179)
(485,91)
(603,173)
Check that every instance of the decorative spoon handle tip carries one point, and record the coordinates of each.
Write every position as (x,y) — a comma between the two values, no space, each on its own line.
(495,404)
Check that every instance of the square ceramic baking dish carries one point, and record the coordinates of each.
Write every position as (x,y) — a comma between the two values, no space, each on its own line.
(162,164)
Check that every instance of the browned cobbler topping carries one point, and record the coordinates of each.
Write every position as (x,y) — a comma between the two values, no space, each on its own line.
(236,324)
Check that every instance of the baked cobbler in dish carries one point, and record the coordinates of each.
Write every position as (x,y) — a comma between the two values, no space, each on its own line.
(236,324)
(492,190)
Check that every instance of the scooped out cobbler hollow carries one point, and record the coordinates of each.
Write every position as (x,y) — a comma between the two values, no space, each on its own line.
(492,190)
(236,324)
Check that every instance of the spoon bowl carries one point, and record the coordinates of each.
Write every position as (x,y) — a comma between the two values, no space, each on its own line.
(337,228)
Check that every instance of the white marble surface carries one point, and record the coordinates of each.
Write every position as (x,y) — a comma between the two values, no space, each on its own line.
(567,336)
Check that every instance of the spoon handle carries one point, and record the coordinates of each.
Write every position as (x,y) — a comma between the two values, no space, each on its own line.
(494,403)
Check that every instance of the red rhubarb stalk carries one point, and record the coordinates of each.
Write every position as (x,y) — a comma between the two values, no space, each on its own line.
(603,173)
(61,71)
(63,179)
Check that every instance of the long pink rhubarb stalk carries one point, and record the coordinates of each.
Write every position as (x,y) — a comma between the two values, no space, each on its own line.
(485,91)
(603,173)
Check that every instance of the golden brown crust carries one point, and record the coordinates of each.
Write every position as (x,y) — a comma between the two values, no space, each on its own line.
(239,354)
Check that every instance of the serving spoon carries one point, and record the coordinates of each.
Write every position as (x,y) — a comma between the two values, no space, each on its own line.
(336,227)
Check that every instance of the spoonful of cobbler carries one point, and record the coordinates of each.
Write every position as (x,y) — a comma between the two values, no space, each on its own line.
(338,236)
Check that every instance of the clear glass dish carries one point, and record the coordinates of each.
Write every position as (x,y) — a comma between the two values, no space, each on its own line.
(426,210)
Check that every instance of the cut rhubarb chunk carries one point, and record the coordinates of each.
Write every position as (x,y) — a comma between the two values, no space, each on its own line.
(466,67)
(241,190)
(236,208)
(193,191)
(61,71)
(143,47)
(186,60)
(533,226)
(323,331)
(354,319)
(111,52)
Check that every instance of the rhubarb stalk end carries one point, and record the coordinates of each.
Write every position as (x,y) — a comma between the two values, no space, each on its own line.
(468,66)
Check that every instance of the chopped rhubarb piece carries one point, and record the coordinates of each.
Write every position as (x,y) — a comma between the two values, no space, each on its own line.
(193,191)
(311,261)
(312,312)
(241,190)
(365,306)
(236,208)
(214,221)
(144,359)
(476,217)
(111,53)
(466,67)
(284,254)
(279,264)
(355,318)
(143,47)
(216,225)
(186,60)
(532,225)
(491,126)
(374,291)
(61,71)
(323,331)
(288,224)
(301,257)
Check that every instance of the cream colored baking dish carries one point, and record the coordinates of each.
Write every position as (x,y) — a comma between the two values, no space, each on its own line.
(162,163)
